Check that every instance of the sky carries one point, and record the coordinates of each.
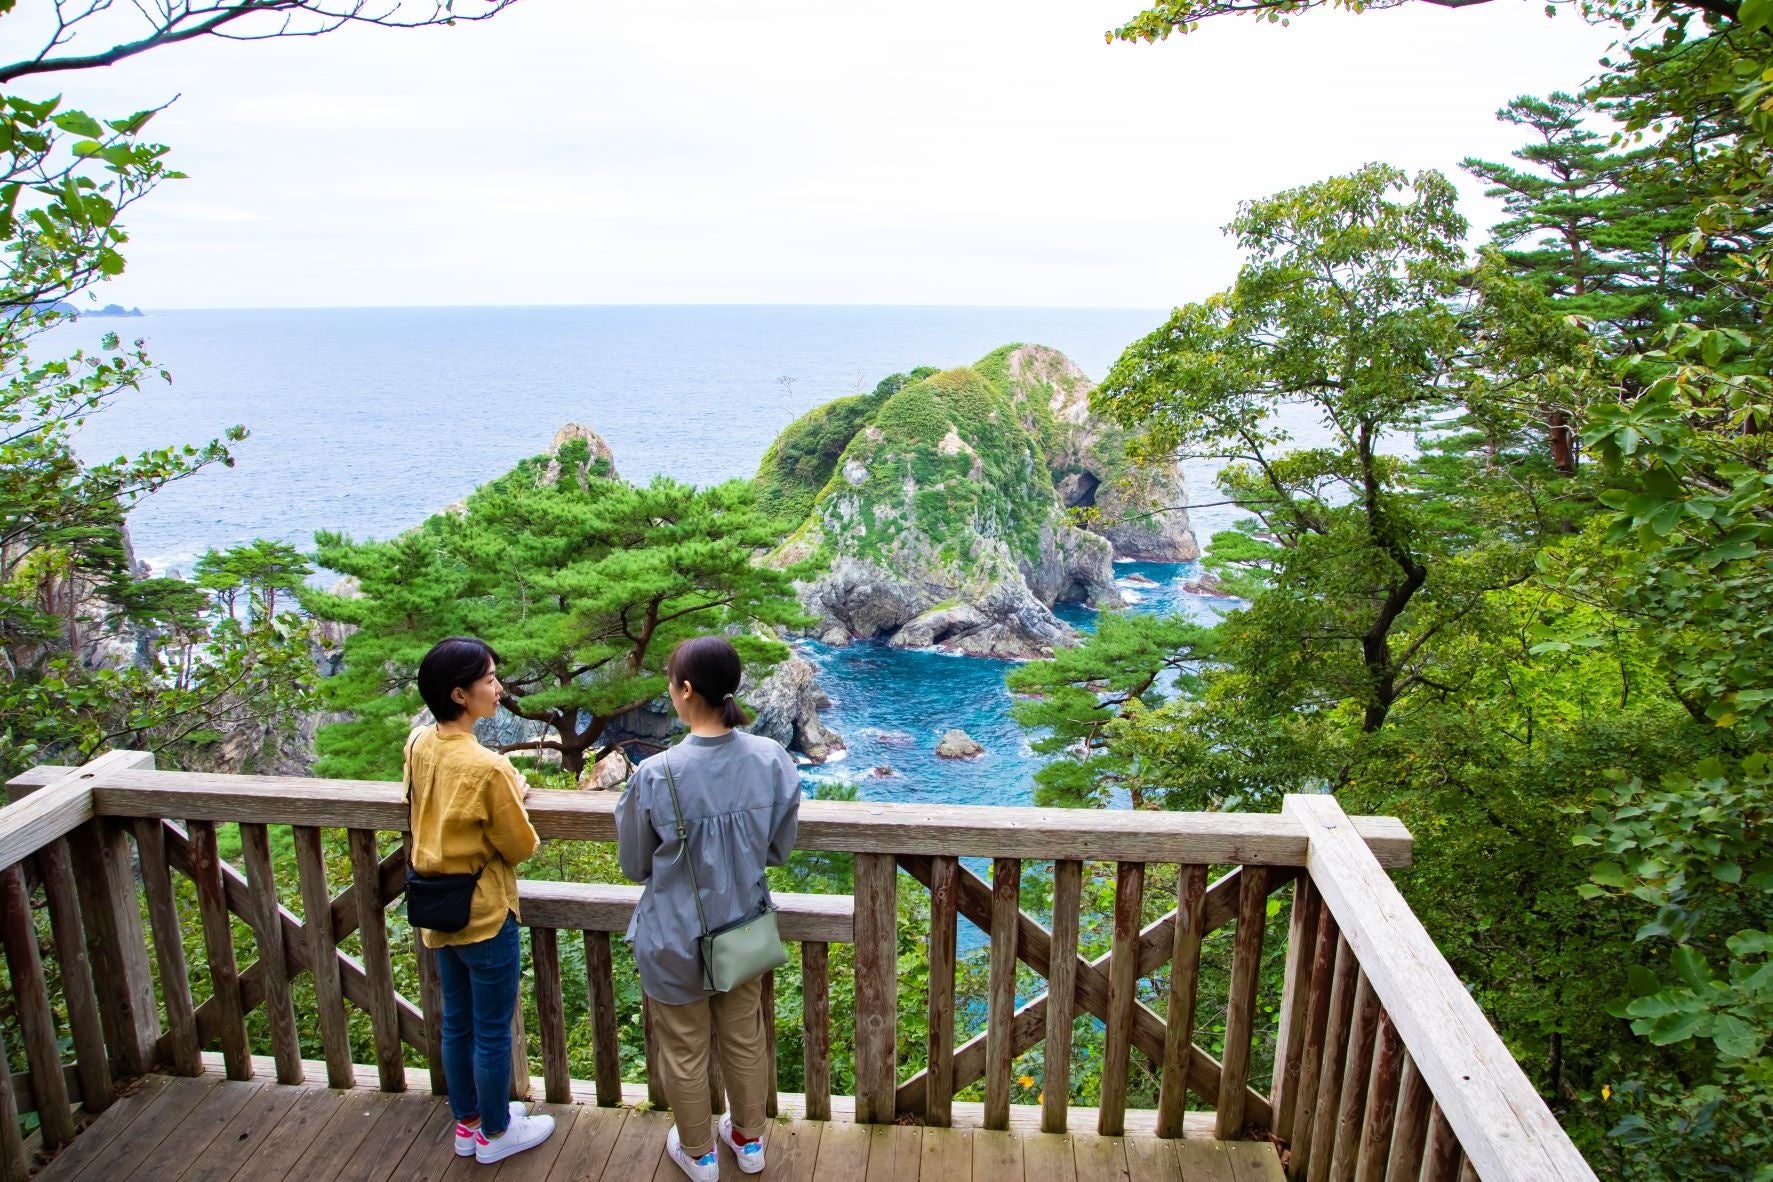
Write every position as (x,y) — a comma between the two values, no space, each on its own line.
(991,152)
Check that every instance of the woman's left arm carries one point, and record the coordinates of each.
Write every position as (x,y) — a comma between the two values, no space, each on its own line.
(785,817)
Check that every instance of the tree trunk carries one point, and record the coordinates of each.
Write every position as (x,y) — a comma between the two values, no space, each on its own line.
(1563,443)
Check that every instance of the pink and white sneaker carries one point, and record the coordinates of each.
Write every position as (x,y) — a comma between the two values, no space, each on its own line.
(465,1135)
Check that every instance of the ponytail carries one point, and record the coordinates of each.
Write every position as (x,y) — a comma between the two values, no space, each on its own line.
(711,666)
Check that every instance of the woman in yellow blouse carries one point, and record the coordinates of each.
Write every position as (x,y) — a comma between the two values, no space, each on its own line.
(468,818)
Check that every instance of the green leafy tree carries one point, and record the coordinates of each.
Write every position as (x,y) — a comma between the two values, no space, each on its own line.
(583,586)
(1131,663)
(1345,308)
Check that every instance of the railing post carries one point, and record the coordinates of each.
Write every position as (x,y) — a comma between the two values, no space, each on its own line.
(877,986)
(104,878)
(1289,1047)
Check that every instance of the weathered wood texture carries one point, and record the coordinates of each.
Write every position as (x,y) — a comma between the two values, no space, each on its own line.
(944,902)
(607,907)
(1491,1108)
(1246,970)
(1172,1100)
(606,1054)
(92,1065)
(1123,982)
(815,1016)
(56,804)
(877,986)
(1061,995)
(1000,1053)
(30,996)
(842,826)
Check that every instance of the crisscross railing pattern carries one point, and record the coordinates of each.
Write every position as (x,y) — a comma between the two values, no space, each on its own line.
(1384,1068)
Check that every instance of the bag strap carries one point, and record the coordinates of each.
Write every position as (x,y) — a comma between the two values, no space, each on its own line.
(410,744)
(683,842)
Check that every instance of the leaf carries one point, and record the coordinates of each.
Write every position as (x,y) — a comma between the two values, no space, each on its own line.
(1734,1037)
(1676,1028)
(1690,967)
(1754,14)
(1642,981)
(78,123)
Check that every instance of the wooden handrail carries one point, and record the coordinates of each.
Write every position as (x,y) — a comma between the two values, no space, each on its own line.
(1031,834)
(1383,1059)
(1499,1120)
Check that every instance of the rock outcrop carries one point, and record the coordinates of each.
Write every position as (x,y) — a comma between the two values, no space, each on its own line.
(957,744)
(582,451)
(944,519)
(786,707)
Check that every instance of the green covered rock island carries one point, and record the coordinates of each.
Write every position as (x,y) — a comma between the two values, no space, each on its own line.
(955,508)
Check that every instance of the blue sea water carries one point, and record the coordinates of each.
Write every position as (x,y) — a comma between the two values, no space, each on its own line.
(367,420)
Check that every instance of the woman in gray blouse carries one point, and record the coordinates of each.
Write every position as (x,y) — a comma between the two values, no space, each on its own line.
(740,796)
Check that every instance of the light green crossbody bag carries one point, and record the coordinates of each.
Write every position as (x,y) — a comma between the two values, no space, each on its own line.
(741,951)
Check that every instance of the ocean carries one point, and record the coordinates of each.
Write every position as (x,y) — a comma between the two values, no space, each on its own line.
(368,420)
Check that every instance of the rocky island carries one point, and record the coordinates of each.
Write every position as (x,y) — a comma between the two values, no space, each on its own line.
(939,508)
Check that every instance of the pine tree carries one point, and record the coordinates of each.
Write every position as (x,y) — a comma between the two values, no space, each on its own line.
(582,584)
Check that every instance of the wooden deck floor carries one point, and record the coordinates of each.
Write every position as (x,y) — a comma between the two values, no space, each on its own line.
(209,1130)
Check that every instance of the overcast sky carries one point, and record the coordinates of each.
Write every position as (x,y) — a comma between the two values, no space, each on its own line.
(990,152)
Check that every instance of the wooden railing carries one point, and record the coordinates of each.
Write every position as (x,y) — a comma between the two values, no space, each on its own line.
(1384,1068)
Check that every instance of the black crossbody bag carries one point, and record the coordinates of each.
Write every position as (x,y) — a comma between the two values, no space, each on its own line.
(437,902)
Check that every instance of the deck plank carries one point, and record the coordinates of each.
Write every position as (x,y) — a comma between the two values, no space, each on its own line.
(639,1147)
(1254,1161)
(947,1155)
(1048,1157)
(433,1150)
(93,1139)
(588,1144)
(1152,1159)
(895,1153)
(404,1118)
(336,1142)
(151,1126)
(792,1150)
(240,1138)
(1100,1159)
(1204,1161)
(205,1129)
(534,1165)
(997,1156)
(843,1151)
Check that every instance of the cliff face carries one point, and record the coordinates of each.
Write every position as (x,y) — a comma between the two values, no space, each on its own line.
(942,517)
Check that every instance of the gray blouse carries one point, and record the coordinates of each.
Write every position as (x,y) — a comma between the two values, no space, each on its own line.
(741,805)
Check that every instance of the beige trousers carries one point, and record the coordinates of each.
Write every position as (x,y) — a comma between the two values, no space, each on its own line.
(735,1019)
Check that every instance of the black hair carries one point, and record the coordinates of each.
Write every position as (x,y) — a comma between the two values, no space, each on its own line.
(453,663)
(711,665)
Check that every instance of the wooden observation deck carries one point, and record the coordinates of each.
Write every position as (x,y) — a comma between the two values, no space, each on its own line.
(143,1063)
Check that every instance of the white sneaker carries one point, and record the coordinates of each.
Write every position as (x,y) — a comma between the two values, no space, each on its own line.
(750,1156)
(700,1169)
(524,1132)
(465,1135)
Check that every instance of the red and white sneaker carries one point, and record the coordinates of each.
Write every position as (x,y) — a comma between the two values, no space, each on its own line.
(465,1135)
(749,1155)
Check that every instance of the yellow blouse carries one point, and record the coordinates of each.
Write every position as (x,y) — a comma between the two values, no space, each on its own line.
(467,811)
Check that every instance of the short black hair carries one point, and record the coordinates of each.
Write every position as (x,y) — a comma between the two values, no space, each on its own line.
(456,662)
(711,665)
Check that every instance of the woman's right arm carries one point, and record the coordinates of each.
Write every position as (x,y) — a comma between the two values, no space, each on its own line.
(636,839)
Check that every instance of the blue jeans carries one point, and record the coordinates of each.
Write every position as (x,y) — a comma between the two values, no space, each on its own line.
(479,995)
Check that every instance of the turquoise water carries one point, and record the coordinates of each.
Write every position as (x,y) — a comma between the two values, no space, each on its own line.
(891,706)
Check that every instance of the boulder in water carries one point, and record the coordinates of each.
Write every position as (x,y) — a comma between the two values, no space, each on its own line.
(957,744)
